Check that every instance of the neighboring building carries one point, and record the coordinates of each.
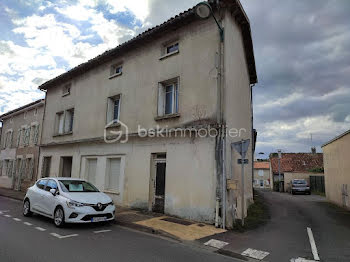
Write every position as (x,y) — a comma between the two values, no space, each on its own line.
(261,174)
(166,77)
(336,154)
(19,155)
(295,166)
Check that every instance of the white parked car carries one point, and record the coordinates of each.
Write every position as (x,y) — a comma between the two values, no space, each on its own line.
(68,200)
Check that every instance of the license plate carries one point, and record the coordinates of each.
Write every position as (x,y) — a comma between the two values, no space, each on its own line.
(98,219)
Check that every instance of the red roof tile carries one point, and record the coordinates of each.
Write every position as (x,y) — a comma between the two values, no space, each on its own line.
(297,162)
(261,165)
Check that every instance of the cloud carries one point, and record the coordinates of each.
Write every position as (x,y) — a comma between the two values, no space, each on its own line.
(302,59)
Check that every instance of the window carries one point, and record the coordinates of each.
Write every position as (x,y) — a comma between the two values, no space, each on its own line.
(66,89)
(64,122)
(77,186)
(36,135)
(113,109)
(41,183)
(168,93)
(172,48)
(8,139)
(116,70)
(261,172)
(69,119)
(112,182)
(51,184)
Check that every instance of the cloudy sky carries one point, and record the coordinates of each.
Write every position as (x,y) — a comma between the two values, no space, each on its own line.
(302,52)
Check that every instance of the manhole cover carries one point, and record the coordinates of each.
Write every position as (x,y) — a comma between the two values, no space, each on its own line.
(177,221)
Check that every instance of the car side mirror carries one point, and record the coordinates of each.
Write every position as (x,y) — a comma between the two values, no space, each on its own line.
(53,191)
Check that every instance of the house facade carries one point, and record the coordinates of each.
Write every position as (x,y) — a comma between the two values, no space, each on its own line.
(147,121)
(19,156)
(337,169)
(262,174)
(295,166)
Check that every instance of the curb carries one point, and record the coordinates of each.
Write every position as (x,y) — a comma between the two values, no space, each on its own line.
(12,197)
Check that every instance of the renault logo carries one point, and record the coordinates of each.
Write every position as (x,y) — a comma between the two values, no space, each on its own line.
(99,206)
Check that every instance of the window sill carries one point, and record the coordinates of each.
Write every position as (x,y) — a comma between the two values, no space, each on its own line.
(115,75)
(116,124)
(176,115)
(66,94)
(111,192)
(64,134)
(169,54)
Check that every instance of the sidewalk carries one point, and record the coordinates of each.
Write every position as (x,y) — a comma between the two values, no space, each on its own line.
(12,193)
(149,222)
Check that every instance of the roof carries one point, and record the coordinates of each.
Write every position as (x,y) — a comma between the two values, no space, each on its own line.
(261,165)
(17,110)
(336,138)
(179,20)
(64,178)
(297,162)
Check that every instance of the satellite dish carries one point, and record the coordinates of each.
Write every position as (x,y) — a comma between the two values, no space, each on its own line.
(203,10)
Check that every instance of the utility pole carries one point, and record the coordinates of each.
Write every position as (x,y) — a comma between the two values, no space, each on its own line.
(279,151)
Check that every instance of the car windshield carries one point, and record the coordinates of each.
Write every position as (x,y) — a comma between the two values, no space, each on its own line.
(299,182)
(77,186)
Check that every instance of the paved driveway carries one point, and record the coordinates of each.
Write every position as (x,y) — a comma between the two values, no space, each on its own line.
(285,235)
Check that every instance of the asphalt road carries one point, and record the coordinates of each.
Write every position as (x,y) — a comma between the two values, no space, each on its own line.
(285,236)
(37,239)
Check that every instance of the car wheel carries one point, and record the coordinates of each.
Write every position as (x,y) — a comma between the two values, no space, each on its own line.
(59,217)
(26,208)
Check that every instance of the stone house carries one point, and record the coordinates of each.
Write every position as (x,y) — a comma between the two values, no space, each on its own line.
(261,174)
(19,155)
(118,119)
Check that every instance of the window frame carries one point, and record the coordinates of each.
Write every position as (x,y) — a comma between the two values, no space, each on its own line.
(162,98)
(111,109)
(64,119)
(113,68)
(165,49)
(66,89)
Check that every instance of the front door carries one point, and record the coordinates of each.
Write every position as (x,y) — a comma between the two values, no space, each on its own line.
(159,195)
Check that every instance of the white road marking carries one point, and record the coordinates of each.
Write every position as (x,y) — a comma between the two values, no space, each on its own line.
(300,259)
(4,211)
(40,229)
(216,243)
(27,223)
(102,231)
(16,219)
(256,254)
(7,215)
(61,237)
(313,244)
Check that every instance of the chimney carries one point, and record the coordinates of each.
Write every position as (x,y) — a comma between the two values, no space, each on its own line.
(313,150)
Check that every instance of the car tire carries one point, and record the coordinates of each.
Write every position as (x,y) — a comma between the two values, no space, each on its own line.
(58,217)
(26,208)
(293,193)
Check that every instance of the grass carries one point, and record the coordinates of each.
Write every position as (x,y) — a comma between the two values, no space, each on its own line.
(258,215)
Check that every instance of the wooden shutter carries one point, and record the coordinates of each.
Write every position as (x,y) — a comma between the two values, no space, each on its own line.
(36,134)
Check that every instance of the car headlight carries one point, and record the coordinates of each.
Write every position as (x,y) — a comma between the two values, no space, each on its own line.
(73,204)
(111,203)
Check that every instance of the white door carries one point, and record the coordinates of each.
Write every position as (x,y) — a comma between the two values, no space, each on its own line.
(91,165)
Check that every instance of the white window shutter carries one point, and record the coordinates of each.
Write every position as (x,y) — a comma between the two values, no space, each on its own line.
(14,168)
(9,168)
(18,137)
(161,97)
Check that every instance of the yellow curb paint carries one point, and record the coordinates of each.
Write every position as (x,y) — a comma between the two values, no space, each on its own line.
(190,232)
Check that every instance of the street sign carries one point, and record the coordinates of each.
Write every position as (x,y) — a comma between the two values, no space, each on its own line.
(241,147)
(239,161)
